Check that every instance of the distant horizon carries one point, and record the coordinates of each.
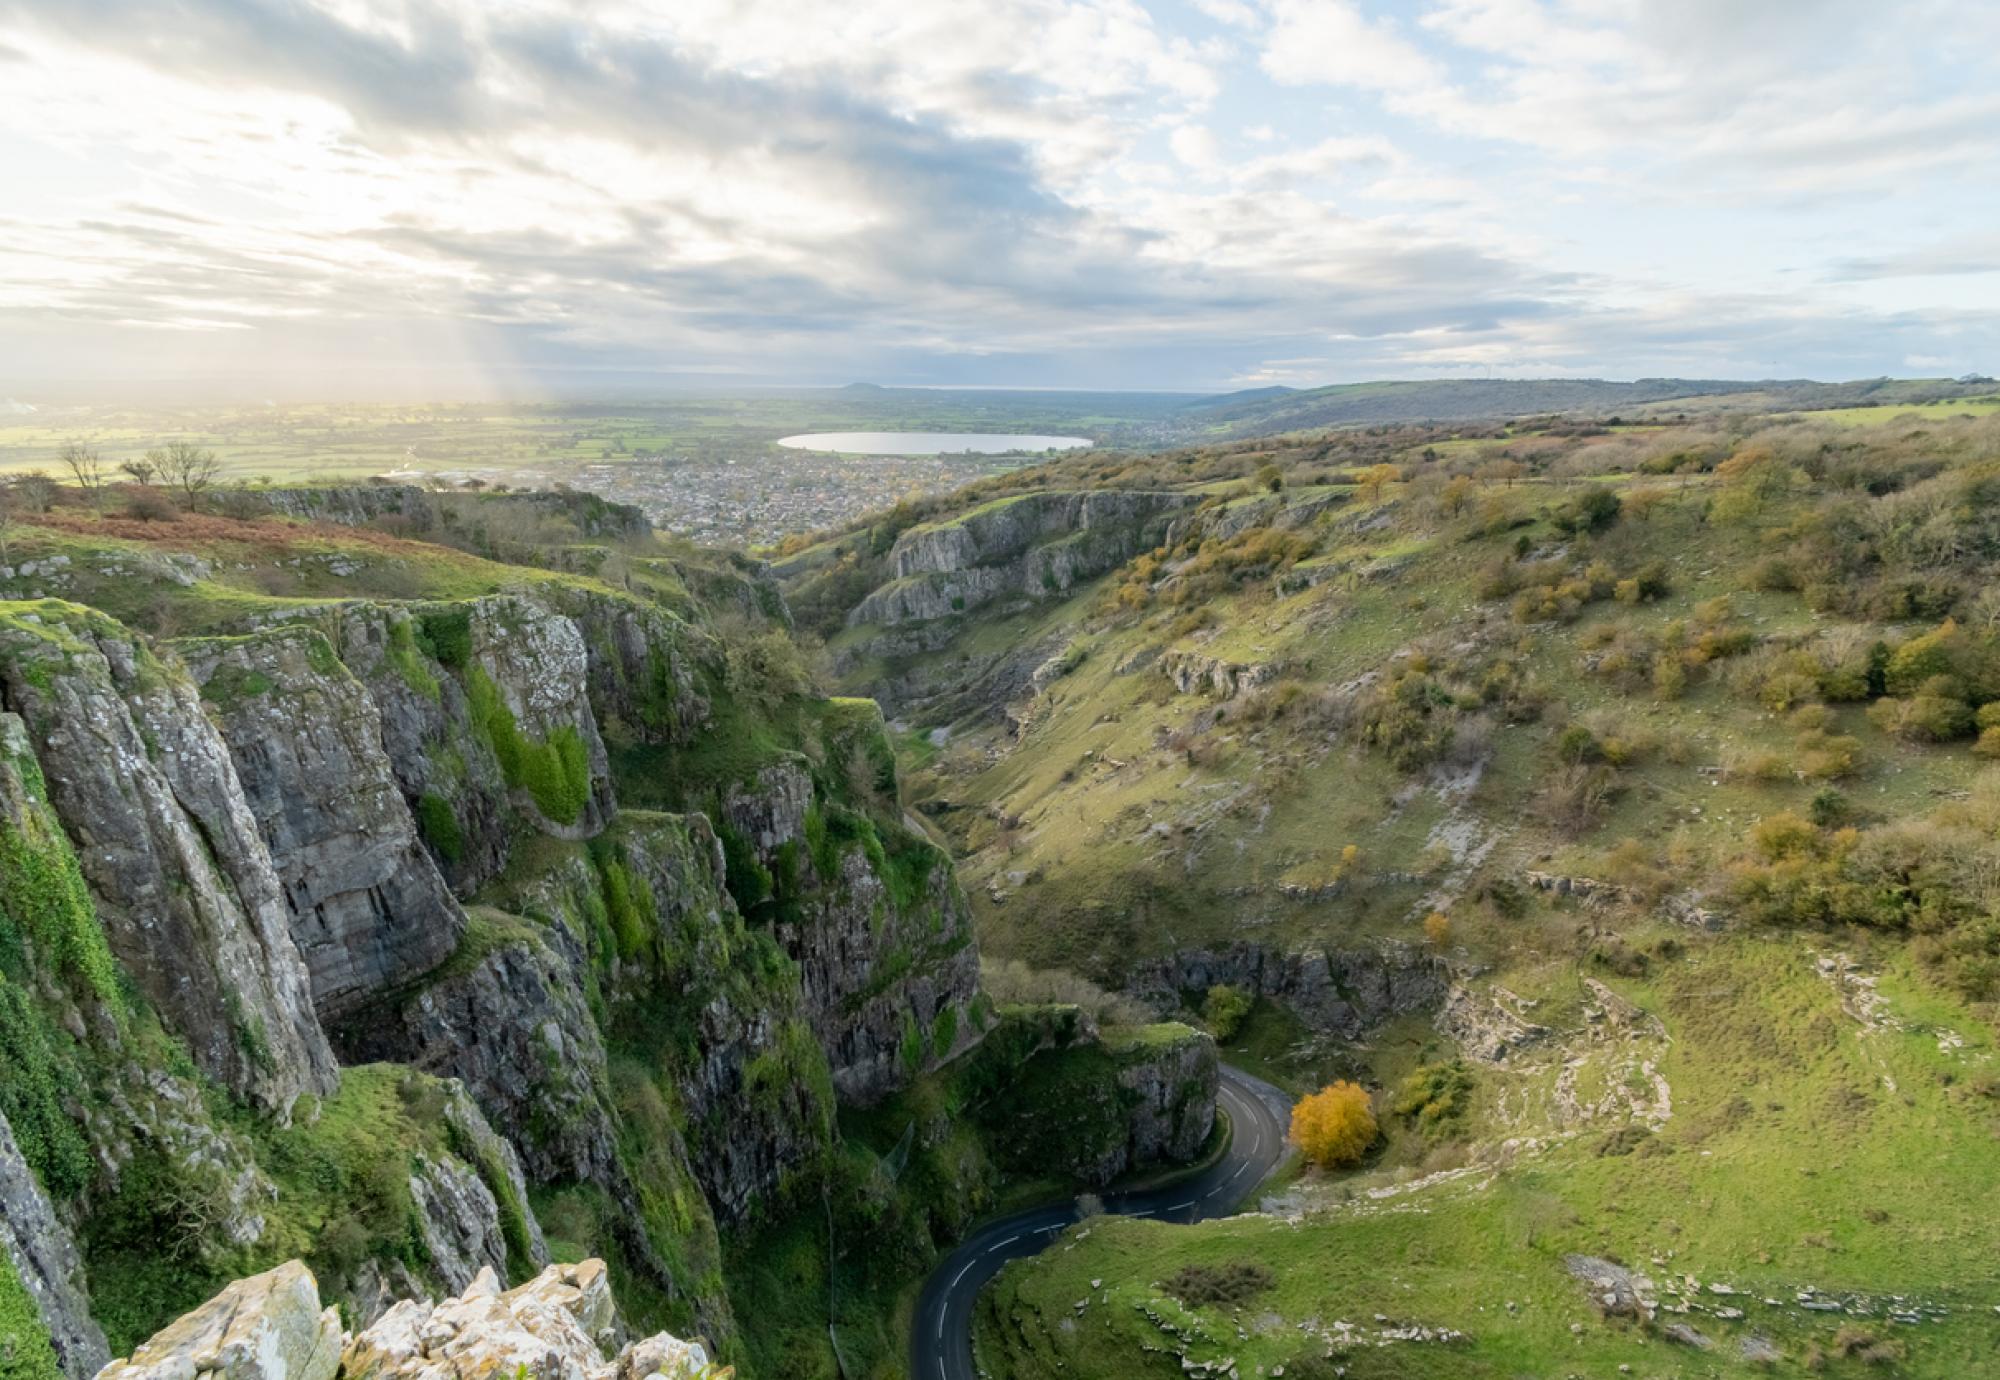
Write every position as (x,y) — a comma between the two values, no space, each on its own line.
(184,393)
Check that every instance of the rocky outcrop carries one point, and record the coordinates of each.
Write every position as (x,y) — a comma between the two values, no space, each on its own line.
(1685,908)
(147,792)
(1192,672)
(368,907)
(486,720)
(266,1327)
(1092,1105)
(558,1326)
(1037,545)
(746,1068)
(755,1082)
(509,1018)
(1345,992)
(422,511)
(1171,1073)
(44,1258)
(641,666)
(879,970)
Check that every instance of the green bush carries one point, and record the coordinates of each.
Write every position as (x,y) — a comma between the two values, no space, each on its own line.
(1434,1098)
(25,1351)
(439,827)
(1224,1008)
(1206,1286)
(944,1032)
(447,636)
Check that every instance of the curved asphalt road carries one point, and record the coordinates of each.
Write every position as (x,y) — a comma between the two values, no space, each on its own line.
(941,1335)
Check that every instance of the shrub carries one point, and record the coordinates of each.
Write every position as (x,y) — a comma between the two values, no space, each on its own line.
(1593,510)
(1224,1008)
(1205,1286)
(1335,1126)
(1435,1097)
(1437,929)
(1935,714)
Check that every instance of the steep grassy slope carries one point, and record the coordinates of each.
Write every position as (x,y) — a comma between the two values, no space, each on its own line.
(1669,743)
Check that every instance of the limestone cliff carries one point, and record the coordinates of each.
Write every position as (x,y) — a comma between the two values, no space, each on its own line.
(487,722)
(1035,545)
(368,907)
(1091,1105)
(878,926)
(146,790)
(1345,992)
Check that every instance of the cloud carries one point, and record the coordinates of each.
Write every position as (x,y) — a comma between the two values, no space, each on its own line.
(1010,185)
(1332,41)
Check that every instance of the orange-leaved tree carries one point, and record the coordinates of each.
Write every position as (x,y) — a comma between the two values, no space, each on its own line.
(1334,1126)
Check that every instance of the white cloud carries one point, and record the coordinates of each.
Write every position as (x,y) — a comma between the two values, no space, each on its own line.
(1332,41)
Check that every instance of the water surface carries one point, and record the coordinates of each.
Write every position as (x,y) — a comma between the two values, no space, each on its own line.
(928,442)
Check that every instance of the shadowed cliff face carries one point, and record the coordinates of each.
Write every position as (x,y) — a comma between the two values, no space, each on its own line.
(146,791)
(367,906)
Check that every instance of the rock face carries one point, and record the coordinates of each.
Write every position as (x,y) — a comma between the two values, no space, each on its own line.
(421,510)
(1191,672)
(45,1259)
(1173,1083)
(147,792)
(511,1021)
(558,1326)
(1094,1106)
(266,1327)
(487,723)
(879,970)
(1345,992)
(1038,545)
(368,908)
(641,672)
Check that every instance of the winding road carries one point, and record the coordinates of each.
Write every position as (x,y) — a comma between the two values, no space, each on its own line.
(941,1335)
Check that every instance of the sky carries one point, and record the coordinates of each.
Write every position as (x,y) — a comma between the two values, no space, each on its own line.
(440,198)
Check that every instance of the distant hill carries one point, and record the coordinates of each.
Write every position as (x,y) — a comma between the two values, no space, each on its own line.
(1261,412)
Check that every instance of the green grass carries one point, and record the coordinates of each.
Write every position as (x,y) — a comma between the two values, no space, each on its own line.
(1916,412)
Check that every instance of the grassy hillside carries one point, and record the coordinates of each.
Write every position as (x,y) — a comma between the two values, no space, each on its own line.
(1730,683)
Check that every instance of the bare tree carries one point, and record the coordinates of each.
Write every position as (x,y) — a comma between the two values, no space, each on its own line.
(86,467)
(190,469)
(35,490)
(143,470)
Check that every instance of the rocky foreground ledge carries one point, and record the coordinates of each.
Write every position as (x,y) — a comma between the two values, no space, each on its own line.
(561,1325)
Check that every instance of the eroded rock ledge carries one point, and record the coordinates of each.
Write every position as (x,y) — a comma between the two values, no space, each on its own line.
(561,1325)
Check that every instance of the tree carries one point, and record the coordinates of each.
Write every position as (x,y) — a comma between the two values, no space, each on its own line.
(35,490)
(190,469)
(1375,477)
(1335,1126)
(1224,1009)
(1271,477)
(86,467)
(1455,494)
(143,470)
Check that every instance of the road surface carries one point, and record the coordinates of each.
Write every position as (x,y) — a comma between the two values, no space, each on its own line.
(941,1335)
